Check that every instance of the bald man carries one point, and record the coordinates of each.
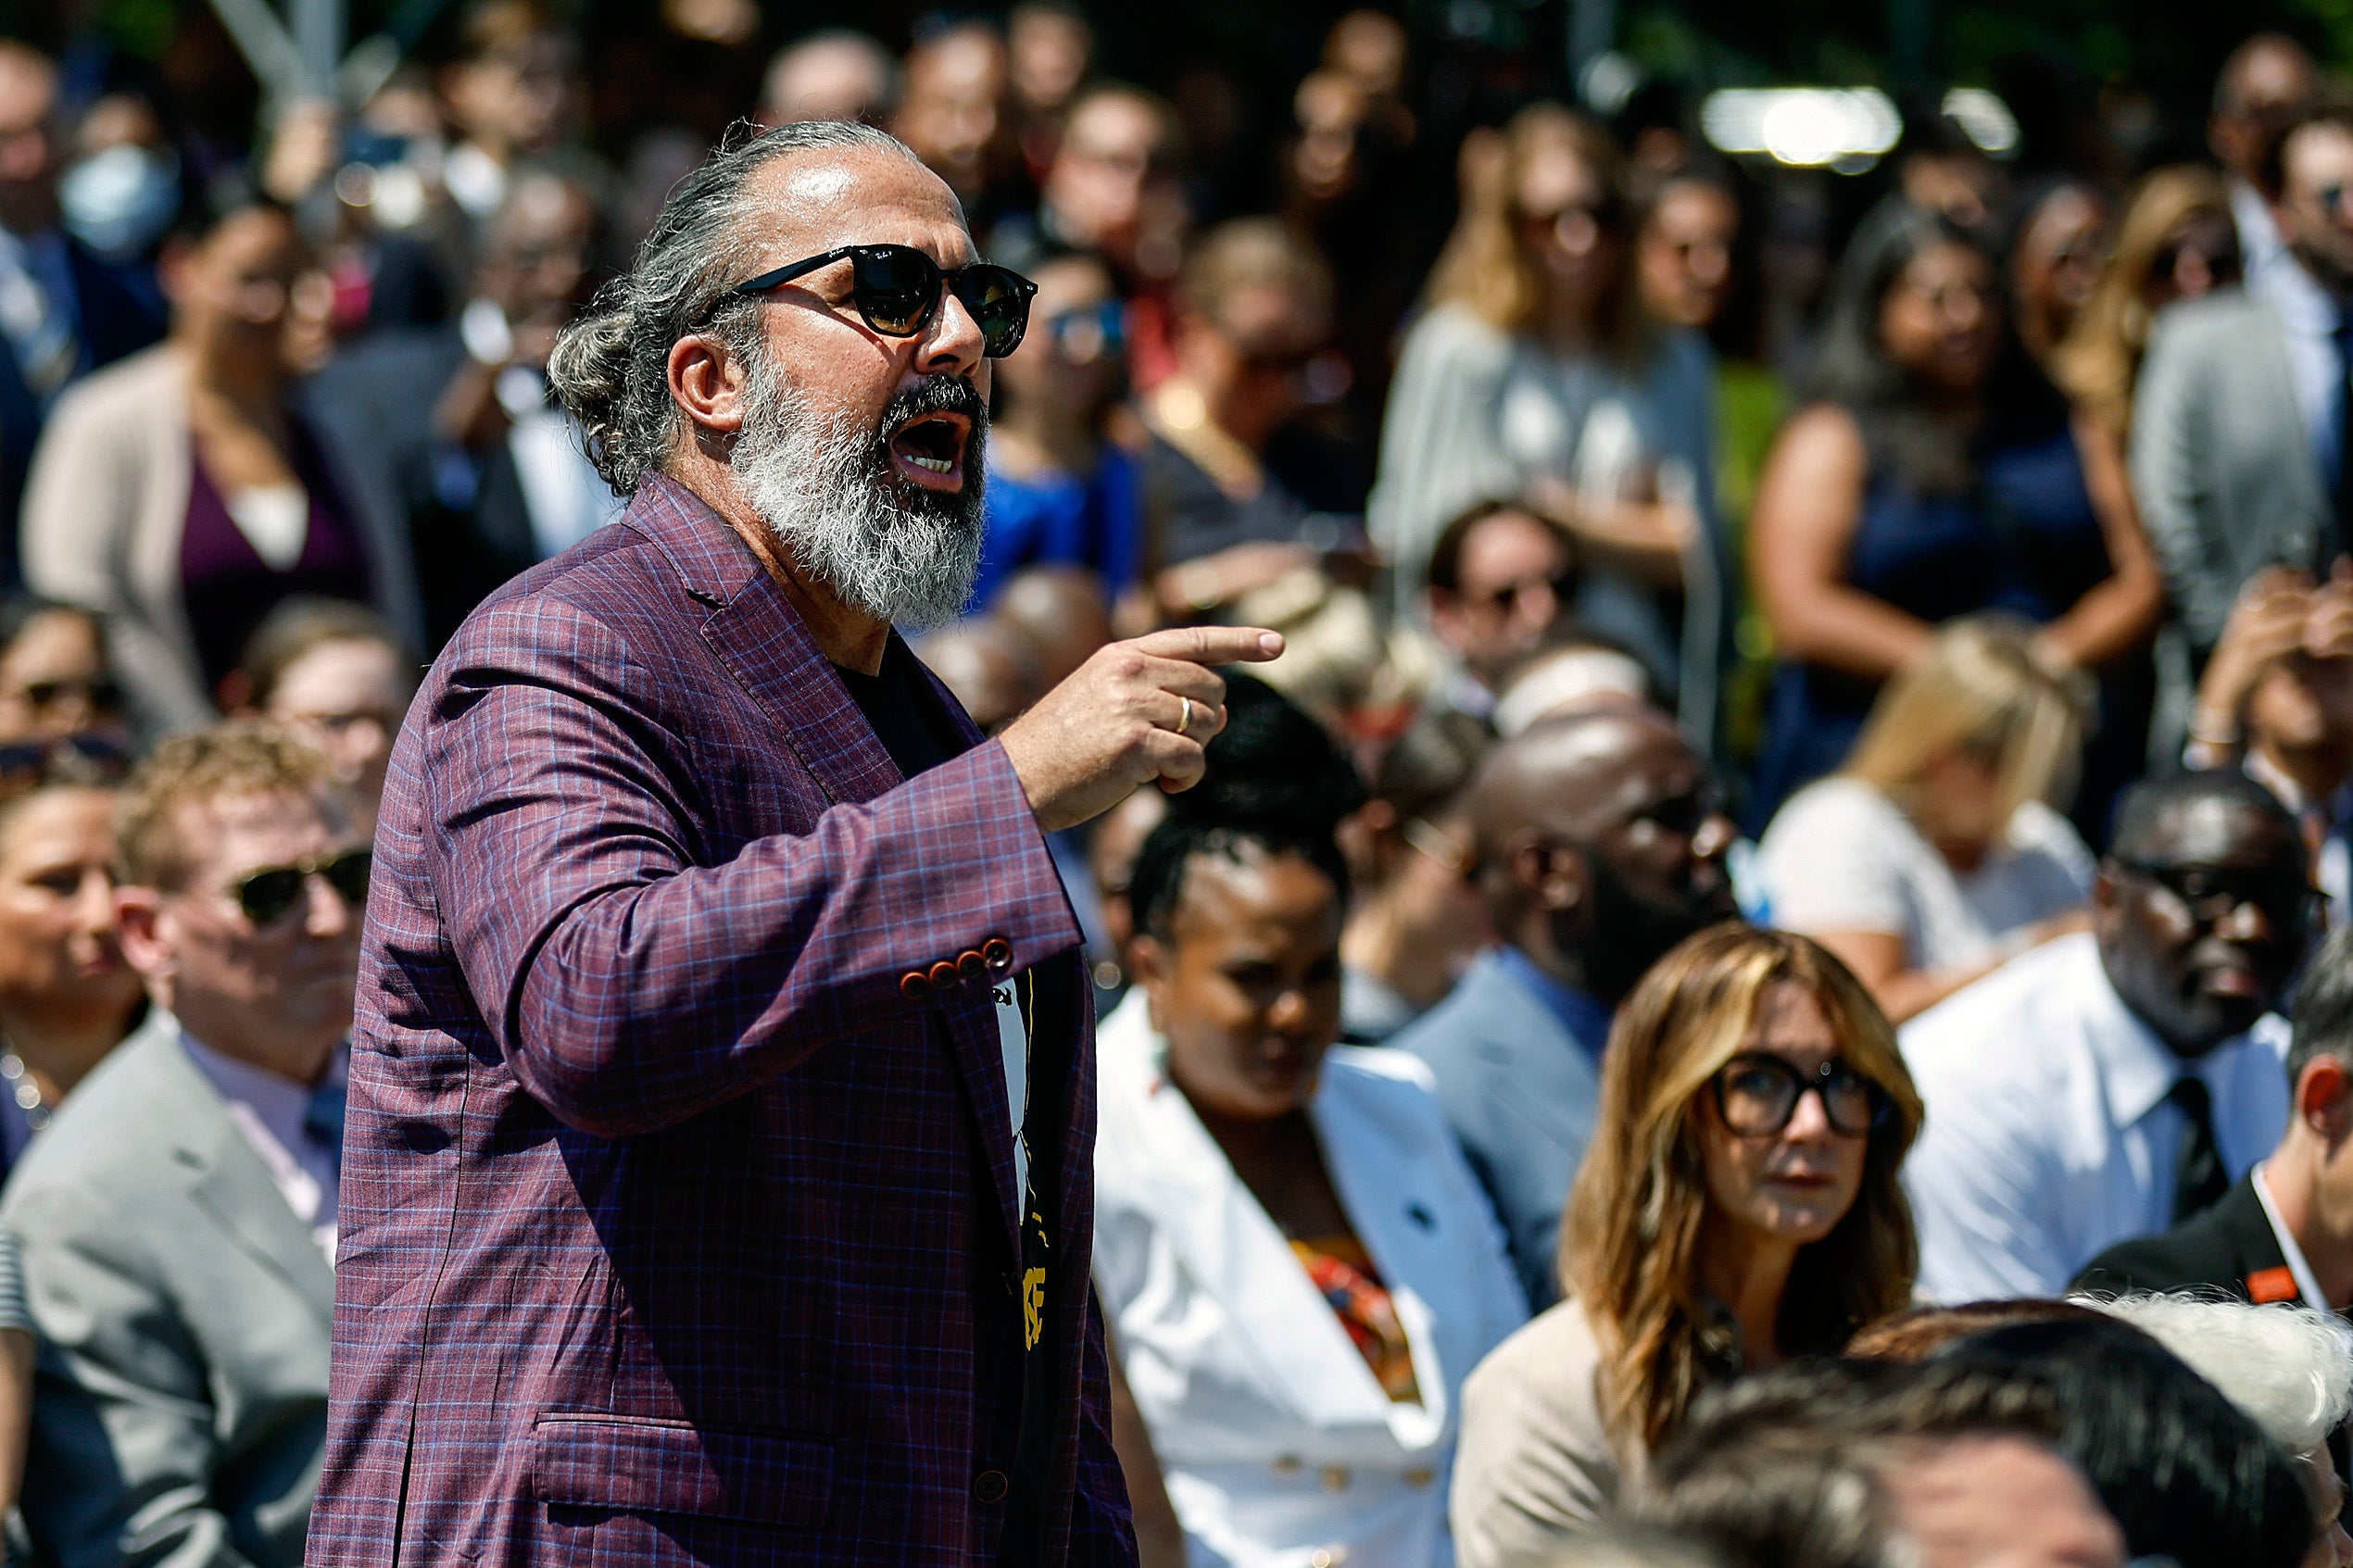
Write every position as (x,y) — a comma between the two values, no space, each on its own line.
(1599,845)
(2264,82)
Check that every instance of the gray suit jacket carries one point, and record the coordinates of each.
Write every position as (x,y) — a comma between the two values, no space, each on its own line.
(184,1314)
(2221,464)
(1521,1092)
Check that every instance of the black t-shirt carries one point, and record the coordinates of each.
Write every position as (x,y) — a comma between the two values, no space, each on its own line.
(920,736)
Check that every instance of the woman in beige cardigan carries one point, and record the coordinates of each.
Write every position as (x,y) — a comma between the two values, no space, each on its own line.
(185,492)
(1738,1206)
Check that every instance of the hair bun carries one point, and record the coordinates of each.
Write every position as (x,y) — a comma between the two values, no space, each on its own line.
(1273,767)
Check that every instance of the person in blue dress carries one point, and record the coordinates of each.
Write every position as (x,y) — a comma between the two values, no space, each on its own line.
(1060,488)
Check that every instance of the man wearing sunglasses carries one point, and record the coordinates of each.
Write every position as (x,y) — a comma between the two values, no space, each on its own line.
(723,1117)
(180,1225)
(2109,1084)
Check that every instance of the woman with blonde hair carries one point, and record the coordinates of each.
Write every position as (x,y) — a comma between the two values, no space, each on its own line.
(1739,1207)
(1535,375)
(1937,853)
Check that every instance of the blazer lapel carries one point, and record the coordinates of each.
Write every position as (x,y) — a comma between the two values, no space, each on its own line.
(1376,1186)
(229,1182)
(757,636)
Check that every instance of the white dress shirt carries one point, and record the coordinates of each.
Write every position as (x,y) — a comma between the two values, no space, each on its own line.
(2309,318)
(2049,1137)
(2299,1267)
(270,1112)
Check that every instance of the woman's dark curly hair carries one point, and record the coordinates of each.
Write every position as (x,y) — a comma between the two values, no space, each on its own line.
(1276,783)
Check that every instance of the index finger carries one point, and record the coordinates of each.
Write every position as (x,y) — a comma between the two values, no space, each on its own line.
(1212,645)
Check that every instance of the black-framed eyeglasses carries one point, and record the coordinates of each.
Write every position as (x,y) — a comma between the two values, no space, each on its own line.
(1088,334)
(1757,1094)
(1563,585)
(896,288)
(104,695)
(2212,893)
(267,894)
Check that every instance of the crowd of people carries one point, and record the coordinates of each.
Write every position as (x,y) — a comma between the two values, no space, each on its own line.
(1766,979)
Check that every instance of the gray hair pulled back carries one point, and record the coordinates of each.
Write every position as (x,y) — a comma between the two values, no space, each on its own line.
(610,364)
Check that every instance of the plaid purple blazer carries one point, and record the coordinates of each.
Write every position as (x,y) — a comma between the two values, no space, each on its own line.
(674,1231)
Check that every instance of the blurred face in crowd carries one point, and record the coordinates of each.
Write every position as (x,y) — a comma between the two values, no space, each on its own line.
(233,292)
(1113,151)
(2315,208)
(1113,844)
(2268,78)
(1999,1501)
(2200,257)
(347,697)
(2057,263)
(985,667)
(1685,253)
(60,959)
(827,79)
(2301,710)
(517,99)
(53,681)
(2201,930)
(535,265)
(1046,49)
(1960,184)
(860,450)
(1063,612)
(1515,582)
(29,140)
(1614,849)
(1249,356)
(2332,1546)
(1939,321)
(1368,47)
(277,994)
(1246,984)
(1563,208)
(955,84)
(1788,1188)
(1070,363)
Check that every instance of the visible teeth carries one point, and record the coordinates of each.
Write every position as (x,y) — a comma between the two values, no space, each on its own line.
(936,465)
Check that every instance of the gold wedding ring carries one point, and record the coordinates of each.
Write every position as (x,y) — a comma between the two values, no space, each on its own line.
(1185,719)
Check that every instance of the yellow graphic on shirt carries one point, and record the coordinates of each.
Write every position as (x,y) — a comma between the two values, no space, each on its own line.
(1033,1308)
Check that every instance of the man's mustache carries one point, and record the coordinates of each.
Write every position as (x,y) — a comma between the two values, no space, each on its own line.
(936,394)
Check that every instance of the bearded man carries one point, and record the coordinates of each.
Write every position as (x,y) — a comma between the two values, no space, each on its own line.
(717,1176)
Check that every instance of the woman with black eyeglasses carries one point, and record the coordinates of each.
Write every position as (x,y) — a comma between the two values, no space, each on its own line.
(1739,1207)
(1060,489)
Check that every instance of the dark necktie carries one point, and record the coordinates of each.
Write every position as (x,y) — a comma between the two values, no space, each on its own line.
(2200,1180)
(324,1120)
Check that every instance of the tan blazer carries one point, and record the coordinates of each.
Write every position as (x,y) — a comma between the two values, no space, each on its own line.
(104,510)
(1534,1467)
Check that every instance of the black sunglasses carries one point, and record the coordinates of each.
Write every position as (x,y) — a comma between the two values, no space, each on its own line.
(265,895)
(896,288)
(104,694)
(2212,893)
(1757,1094)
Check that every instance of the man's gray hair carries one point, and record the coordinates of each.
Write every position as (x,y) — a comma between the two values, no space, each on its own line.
(610,364)
(2289,1368)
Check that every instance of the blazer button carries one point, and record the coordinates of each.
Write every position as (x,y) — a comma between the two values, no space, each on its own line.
(943,975)
(913,986)
(971,965)
(991,1485)
(1420,1476)
(997,953)
(1334,1477)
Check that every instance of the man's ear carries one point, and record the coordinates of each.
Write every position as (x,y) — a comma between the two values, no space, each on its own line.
(708,382)
(1557,873)
(2323,1099)
(139,921)
(2106,901)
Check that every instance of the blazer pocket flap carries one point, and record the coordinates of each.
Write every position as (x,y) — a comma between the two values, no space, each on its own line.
(650,1466)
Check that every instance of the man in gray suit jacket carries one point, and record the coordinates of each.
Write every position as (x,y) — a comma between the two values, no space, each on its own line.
(1600,845)
(178,1216)
(2239,422)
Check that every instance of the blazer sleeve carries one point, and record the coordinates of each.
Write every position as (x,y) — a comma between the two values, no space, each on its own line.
(124,1448)
(630,986)
(85,499)
(1534,1468)
(2167,468)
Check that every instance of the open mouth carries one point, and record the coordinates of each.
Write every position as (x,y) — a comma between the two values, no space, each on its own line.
(928,450)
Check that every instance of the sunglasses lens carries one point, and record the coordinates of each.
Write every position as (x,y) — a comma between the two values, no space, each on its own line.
(998,299)
(266,896)
(347,874)
(895,287)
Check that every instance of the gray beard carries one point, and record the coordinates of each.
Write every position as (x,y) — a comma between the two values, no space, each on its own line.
(829,495)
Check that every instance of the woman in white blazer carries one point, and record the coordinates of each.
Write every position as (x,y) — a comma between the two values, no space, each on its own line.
(1298,1268)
